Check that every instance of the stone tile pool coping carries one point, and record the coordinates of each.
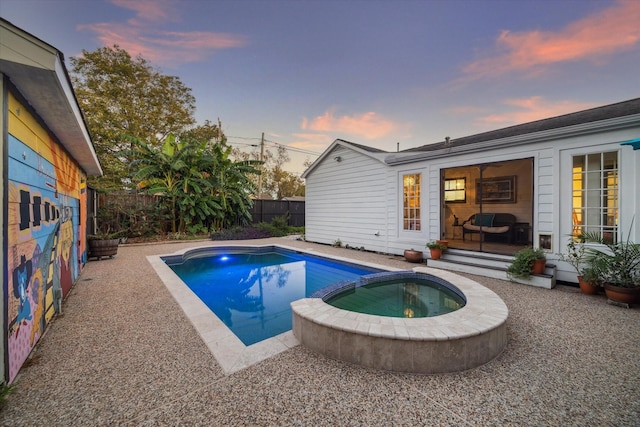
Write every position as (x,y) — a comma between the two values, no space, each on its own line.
(460,340)
(231,353)
(483,312)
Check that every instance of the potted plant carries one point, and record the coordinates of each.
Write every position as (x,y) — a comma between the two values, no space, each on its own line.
(590,281)
(526,262)
(412,255)
(618,265)
(106,239)
(435,249)
(444,243)
(577,256)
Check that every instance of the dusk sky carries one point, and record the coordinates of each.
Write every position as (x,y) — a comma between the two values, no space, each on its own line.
(376,73)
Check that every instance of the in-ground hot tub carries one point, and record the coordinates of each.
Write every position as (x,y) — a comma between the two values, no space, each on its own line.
(468,337)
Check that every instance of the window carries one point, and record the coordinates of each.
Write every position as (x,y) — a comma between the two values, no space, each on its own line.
(454,190)
(411,205)
(595,194)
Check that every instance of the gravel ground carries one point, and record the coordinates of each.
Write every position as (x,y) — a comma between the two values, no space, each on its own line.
(123,353)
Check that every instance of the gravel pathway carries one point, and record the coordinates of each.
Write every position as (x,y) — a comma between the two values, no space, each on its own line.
(123,353)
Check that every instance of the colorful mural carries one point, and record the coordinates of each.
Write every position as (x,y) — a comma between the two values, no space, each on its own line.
(46,242)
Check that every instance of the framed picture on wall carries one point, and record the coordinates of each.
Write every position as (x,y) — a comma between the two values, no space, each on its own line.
(496,190)
(545,242)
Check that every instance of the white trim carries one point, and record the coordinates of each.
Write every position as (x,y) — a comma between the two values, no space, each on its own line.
(339,142)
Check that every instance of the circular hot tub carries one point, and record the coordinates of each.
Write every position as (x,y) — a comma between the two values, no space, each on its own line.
(470,334)
(397,295)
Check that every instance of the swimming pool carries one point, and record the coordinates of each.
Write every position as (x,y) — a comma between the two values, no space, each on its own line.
(250,289)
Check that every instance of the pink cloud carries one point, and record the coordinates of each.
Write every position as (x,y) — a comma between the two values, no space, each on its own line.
(531,109)
(370,125)
(595,37)
(150,10)
(311,141)
(139,37)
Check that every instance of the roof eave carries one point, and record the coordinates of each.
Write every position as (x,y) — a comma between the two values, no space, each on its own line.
(37,70)
(380,157)
(530,138)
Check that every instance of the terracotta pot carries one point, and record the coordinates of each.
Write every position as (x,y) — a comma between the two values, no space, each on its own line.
(621,294)
(436,253)
(443,242)
(587,288)
(538,266)
(101,248)
(413,256)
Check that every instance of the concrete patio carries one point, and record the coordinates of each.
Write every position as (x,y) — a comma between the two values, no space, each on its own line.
(123,353)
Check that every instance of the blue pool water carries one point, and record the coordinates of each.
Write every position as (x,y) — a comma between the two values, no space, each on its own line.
(250,289)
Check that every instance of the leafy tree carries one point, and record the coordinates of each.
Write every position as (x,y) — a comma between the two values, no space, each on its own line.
(233,187)
(275,180)
(176,172)
(209,133)
(286,184)
(203,187)
(121,95)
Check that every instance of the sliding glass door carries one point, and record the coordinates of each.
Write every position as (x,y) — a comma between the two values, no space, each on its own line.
(488,207)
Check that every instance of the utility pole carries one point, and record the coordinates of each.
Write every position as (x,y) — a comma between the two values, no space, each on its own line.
(261,166)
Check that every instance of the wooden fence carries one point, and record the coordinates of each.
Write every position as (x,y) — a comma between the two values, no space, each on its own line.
(126,204)
(261,211)
(267,210)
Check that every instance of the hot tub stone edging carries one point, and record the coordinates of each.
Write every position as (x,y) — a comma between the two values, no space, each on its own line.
(456,341)
(330,291)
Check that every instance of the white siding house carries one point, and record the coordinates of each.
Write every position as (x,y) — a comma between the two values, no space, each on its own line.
(555,176)
(347,201)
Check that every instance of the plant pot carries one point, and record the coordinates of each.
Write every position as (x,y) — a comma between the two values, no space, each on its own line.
(587,288)
(101,248)
(538,266)
(622,294)
(443,242)
(413,255)
(436,253)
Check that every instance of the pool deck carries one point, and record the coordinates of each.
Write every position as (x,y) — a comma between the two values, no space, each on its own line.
(124,353)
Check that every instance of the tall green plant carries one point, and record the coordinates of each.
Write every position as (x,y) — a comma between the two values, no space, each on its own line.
(204,188)
(233,187)
(178,173)
(617,262)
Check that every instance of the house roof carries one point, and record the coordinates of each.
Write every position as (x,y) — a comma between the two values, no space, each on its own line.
(363,147)
(619,109)
(581,121)
(374,153)
(38,72)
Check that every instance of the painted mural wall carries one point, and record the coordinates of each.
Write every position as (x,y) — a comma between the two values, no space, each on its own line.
(46,243)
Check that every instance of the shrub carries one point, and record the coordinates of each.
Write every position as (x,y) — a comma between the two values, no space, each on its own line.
(240,233)
(278,226)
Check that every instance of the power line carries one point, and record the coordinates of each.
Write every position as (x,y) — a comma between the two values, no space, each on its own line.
(242,137)
(275,143)
(300,150)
